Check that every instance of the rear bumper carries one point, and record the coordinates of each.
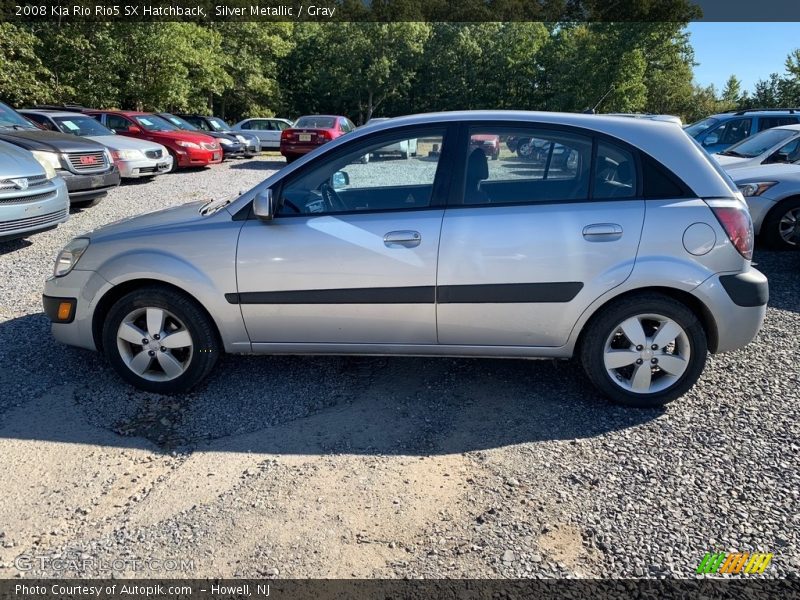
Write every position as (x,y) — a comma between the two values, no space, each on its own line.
(85,186)
(288,149)
(20,219)
(738,305)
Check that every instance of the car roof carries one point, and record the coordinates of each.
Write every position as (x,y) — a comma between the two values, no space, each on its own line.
(127,113)
(755,112)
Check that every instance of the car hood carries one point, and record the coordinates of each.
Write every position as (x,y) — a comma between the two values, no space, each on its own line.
(731,161)
(186,136)
(16,162)
(178,217)
(53,141)
(121,142)
(777,172)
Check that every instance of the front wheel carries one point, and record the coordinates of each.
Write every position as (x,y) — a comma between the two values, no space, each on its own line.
(781,228)
(160,340)
(644,350)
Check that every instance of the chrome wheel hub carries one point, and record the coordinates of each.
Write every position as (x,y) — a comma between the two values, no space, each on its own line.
(155,344)
(646,353)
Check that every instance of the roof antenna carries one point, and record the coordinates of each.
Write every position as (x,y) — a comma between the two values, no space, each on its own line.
(593,110)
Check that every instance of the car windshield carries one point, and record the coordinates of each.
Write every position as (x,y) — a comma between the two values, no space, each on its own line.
(316,122)
(179,122)
(760,143)
(81,125)
(154,123)
(218,124)
(699,127)
(11,118)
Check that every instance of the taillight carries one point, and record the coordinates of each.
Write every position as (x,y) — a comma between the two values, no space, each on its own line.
(286,134)
(735,220)
(325,135)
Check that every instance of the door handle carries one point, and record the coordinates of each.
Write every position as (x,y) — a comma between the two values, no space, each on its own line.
(404,238)
(602,232)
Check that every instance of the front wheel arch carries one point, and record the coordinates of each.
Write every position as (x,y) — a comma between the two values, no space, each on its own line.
(773,213)
(118,291)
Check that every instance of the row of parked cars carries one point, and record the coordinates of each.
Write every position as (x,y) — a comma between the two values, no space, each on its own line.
(52,157)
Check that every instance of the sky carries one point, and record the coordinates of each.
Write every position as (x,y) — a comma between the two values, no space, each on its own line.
(751,51)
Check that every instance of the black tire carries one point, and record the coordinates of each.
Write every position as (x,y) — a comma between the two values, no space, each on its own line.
(770,228)
(603,325)
(174,166)
(206,345)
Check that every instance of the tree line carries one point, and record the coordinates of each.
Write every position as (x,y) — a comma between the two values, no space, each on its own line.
(364,69)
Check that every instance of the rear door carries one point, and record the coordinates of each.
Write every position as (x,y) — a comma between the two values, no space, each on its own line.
(535,240)
(351,257)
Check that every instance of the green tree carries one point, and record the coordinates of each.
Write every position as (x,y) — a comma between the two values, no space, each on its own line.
(732,92)
(23,77)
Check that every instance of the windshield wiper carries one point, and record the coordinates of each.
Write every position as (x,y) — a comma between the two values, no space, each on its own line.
(15,126)
(732,153)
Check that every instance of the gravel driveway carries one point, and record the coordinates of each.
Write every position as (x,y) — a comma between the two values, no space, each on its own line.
(391,467)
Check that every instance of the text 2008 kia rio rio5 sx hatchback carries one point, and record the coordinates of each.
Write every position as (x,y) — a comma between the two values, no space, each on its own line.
(631,252)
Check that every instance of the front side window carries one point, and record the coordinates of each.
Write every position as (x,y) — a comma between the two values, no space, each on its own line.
(789,152)
(731,132)
(117,123)
(372,177)
(509,165)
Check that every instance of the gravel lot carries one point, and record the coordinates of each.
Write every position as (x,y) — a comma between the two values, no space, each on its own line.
(393,467)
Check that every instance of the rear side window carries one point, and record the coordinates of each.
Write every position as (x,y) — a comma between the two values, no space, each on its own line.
(657,182)
(614,173)
(770,122)
(508,165)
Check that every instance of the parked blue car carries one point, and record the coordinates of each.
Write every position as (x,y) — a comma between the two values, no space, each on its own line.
(717,132)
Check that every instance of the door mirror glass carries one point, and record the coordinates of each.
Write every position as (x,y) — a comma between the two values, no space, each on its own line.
(339,180)
(711,139)
(263,206)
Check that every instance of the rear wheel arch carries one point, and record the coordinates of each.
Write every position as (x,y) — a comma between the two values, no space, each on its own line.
(118,291)
(694,304)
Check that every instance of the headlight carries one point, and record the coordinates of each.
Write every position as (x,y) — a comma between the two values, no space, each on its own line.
(184,144)
(127,154)
(49,160)
(241,139)
(69,256)
(756,188)
(225,142)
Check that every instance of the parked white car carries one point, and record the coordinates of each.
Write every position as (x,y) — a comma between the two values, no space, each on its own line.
(134,158)
(776,145)
(404,148)
(267,130)
(32,197)
(773,196)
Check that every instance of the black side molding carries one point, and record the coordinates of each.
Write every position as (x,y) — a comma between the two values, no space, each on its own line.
(746,289)
(499,293)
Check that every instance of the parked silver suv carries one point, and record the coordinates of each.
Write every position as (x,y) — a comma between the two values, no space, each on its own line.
(631,251)
(32,197)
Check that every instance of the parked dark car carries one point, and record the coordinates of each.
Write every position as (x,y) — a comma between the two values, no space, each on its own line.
(310,132)
(85,165)
(217,128)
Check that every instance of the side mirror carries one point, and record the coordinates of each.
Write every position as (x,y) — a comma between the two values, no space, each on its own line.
(134,129)
(711,139)
(339,180)
(263,205)
(780,157)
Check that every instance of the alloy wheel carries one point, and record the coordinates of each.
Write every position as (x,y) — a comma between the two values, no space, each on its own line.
(154,344)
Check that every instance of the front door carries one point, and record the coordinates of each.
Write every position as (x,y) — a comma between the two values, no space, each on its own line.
(537,238)
(351,256)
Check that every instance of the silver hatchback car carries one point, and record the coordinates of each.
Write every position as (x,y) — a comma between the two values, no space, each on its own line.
(628,248)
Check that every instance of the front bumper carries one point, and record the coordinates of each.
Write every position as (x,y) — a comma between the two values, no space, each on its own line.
(232,150)
(192,157)
(144,167)
(85,186)
(252,146)
(20,219)
(738,304)
(85,288)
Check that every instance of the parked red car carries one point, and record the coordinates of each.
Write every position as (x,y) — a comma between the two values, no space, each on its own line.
(310,132)
(188,149)
(490,144)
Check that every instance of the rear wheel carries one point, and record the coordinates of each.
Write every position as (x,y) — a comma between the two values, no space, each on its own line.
(160,340)
(781,228)
(644,350)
